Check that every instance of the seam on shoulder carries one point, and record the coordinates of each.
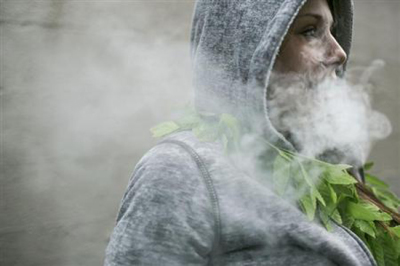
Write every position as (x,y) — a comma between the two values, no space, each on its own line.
(209,184)
(358,241)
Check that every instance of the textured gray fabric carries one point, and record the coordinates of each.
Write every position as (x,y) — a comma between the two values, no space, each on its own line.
(189,204)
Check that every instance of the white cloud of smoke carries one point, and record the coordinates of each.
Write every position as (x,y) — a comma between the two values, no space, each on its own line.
(333,119)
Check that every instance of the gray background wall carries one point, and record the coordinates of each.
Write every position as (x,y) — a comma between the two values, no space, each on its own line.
(81,84)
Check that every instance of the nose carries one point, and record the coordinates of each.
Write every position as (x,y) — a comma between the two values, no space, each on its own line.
(335,56)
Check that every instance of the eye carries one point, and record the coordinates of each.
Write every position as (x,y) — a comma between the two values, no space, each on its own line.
(310,32)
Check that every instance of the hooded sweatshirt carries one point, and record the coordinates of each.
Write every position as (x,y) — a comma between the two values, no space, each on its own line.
(187,203)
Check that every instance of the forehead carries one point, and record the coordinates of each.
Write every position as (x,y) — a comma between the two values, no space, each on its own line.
(317,7)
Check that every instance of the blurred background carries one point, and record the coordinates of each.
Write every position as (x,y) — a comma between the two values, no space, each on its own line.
(81,84)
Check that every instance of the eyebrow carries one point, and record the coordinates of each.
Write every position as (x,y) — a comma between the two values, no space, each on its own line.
(317,16)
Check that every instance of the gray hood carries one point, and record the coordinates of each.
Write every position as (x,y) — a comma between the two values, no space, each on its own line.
(234,44)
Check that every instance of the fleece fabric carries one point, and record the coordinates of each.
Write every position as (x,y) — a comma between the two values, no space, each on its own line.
(187,203)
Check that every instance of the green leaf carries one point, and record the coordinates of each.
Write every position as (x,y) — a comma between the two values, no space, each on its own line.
(205,132)
(386,194)
(285,155)
(397,247)
(189,119)
(361,235)
(328,193)
(188,123)
(390,204)
(308,207)
(164,129)
(332,194)
(367,212)
(281,175)
(325,192)
(336,216)
(377,251)
(231,125)
(316,194)
(348,221)
(343,166)
(396,231)
(374,181)
(305,174)
(229,120)
(345,193)
(388,198)
(366,227)
(390,250)
(368,166)
(325,220)
(313,190)
(337,176)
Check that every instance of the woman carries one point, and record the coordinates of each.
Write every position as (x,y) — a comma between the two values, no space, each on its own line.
(187,202)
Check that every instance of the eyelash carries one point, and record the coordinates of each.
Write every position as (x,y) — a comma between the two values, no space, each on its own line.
(312,32)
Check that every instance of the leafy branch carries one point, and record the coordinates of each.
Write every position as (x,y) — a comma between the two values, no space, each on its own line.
(329,192)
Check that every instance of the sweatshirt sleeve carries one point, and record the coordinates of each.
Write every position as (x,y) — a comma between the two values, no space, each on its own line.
(166,215)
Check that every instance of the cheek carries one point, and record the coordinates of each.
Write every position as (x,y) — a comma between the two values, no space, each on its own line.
(312,56)
(301,57)
(290,59)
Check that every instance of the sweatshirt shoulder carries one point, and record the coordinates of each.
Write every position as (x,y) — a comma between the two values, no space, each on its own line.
(167,215)
(166,155)
(166,164)
(173,167)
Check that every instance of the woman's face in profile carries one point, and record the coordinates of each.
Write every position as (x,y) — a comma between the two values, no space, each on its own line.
(309,47)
